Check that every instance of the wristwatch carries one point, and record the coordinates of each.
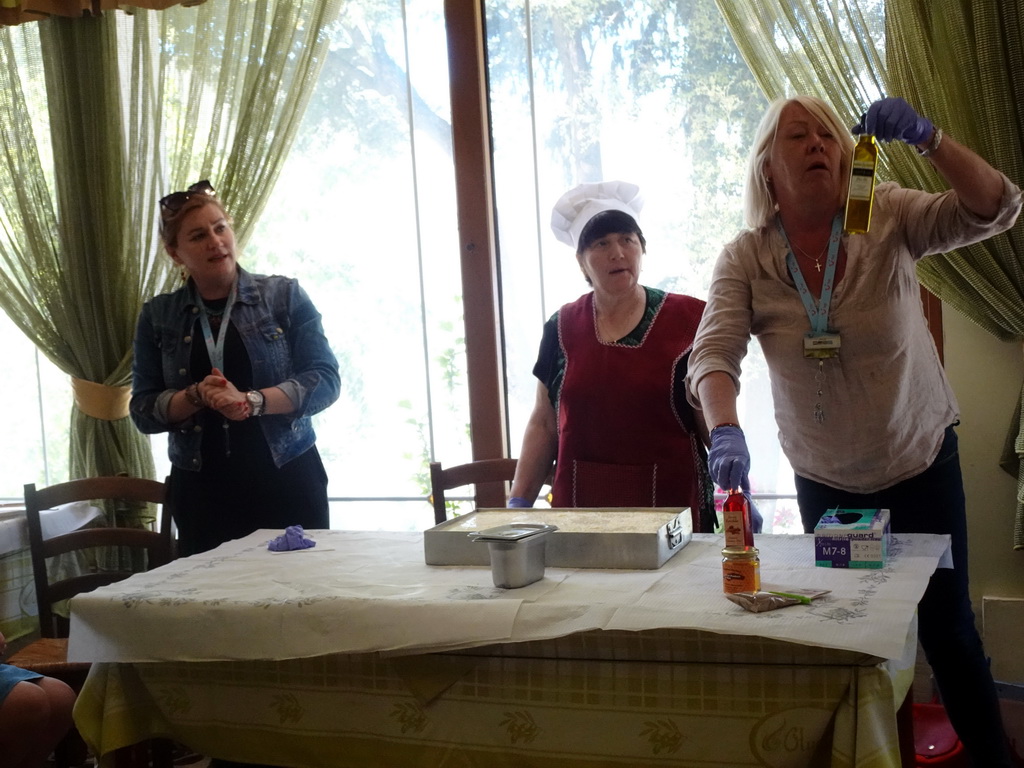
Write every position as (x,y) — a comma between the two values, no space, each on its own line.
(932,145)
(257,402)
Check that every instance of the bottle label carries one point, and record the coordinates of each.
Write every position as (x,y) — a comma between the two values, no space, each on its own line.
(733,523)
(862,181)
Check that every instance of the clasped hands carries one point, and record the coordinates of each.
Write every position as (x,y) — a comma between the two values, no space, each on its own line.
(219,394)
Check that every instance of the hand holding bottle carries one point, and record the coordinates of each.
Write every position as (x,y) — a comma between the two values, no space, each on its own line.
(728,458)
(893,118)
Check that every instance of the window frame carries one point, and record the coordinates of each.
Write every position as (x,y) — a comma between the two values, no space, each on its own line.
(467,66)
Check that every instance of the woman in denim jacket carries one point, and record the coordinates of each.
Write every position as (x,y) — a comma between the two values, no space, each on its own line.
(233,366)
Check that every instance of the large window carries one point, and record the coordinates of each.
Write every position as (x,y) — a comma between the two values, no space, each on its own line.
(645,91)
(364,216)
(36,419)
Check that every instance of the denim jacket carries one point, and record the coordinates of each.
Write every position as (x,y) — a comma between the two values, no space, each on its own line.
(284,339)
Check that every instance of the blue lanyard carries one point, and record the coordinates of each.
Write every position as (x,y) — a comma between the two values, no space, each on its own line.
(817,312)
(215,347)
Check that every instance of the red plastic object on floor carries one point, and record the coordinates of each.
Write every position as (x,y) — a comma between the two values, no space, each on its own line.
(936,744)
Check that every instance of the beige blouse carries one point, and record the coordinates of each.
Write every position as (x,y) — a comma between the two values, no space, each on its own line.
(885,398)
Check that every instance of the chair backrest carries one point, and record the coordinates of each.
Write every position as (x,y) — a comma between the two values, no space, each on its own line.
(157,545)
(490,476)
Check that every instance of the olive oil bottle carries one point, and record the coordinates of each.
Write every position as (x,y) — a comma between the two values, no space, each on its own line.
(861,196)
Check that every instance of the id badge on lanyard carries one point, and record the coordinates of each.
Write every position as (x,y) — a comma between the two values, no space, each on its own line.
(822,345)
(215,347)
(822,342)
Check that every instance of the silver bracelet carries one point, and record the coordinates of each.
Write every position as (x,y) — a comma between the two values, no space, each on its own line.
(193,396)
(932,145)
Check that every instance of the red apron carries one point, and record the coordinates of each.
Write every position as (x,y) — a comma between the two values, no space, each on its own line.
(621,442)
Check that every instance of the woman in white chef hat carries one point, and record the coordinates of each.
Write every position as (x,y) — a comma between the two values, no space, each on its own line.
(611,405)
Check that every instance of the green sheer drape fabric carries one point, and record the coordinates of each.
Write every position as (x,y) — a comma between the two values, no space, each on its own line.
(832,50)
(20,12)
(102,115)
(960,64)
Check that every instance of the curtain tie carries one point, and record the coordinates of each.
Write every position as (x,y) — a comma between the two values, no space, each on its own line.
(101,401)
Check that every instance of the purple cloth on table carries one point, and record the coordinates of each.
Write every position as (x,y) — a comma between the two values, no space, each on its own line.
(293,538)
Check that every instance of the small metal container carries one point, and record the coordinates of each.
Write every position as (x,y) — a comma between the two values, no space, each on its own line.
(516,551)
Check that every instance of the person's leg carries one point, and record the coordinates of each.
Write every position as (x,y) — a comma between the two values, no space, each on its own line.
(34,717)
(190,515)
(23,711)
(204,509)
(933,502)
(295,494)
(61,698)
(814,499)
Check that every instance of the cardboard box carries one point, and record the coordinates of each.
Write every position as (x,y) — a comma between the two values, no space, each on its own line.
(852,538)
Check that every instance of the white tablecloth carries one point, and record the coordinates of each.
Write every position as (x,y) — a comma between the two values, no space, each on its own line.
(359,592)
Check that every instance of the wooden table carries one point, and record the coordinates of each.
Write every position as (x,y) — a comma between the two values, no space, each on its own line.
(357,654)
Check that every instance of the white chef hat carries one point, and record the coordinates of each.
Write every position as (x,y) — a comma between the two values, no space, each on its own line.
(580,204)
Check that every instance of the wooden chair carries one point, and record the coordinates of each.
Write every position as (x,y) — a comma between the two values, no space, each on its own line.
(490,476)
(49,654)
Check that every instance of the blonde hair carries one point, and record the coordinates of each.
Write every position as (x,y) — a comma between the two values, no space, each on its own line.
(758,202)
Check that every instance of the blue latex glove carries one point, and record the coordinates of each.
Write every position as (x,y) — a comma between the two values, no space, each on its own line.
(293,538)
(519,501)
(729,459)
(892,118)
(756,520)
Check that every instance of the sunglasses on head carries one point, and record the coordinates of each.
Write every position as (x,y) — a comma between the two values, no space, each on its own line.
(173,202)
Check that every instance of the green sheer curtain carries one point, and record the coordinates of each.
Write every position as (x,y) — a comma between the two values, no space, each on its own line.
(960,64)
(21,11)
(99,117)
(834,50)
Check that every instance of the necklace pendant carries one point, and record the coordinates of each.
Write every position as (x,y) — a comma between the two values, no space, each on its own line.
(819,415)
(817,265)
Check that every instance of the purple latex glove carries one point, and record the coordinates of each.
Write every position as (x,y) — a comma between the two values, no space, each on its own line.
(756,520)
(893,118)
(729,459)
(293,538)
(519,502)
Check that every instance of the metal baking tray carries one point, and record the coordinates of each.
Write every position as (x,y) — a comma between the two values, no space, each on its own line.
(512,532)
(631,539)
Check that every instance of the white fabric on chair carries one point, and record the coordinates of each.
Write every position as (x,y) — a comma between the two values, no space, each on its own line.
(17,592)
(56,521)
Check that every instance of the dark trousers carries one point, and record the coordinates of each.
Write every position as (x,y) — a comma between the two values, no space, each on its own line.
(933,502)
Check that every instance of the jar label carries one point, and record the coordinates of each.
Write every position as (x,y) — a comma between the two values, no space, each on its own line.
(741,575)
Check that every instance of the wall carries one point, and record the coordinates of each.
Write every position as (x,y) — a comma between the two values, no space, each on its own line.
(986,375)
